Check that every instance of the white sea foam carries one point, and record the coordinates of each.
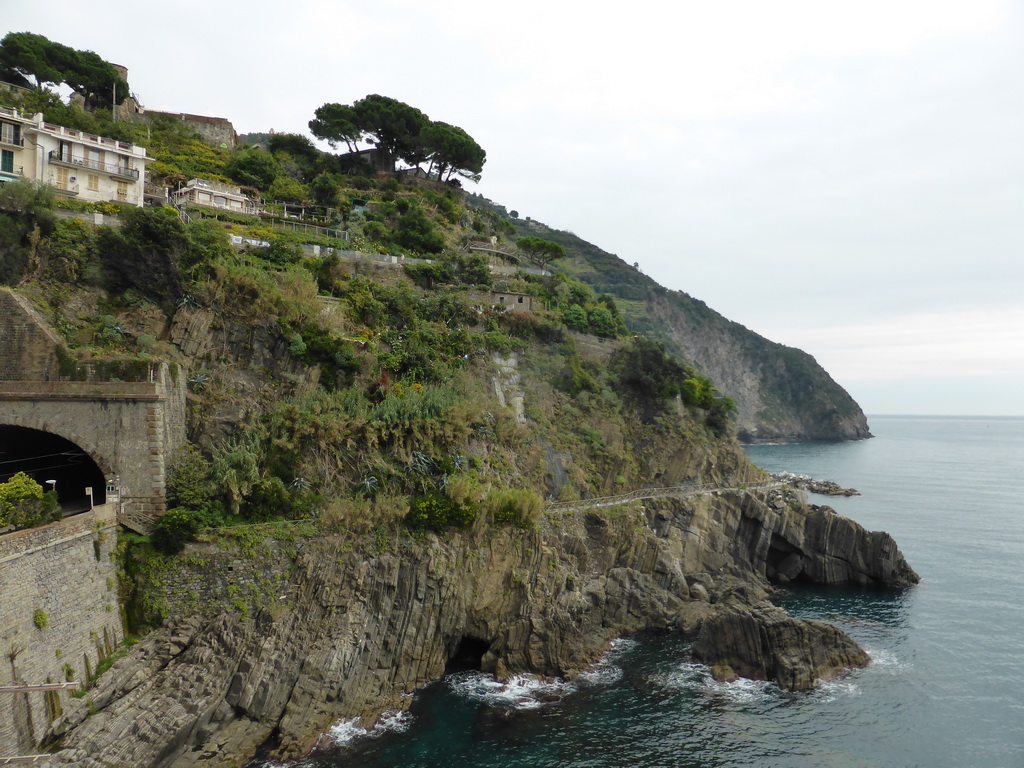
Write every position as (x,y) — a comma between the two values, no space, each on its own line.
(346,731)
(607,670)
(836,688)
(521,691)
(886,659)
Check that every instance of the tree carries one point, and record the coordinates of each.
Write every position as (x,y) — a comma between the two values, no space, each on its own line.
(391,124)
(253,168)
(23,503)
(540,252)
(144,253)
(287,189)
(291,149)
(451,150)
(24,55)
(336,123)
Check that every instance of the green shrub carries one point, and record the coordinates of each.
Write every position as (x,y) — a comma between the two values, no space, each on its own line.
(40,619)
(190,482)
(24,504)
(520,507)
(178,526)
(436,512)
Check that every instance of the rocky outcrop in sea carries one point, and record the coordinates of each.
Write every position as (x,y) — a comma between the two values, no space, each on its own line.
(365,625)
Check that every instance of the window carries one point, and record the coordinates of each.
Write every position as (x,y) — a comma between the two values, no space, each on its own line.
(94,160)
(10,133)
(122,191)
(6,161)
(62,178)
(65,152)
(94,182)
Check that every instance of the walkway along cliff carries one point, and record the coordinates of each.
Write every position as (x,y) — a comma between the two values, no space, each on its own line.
(329,628)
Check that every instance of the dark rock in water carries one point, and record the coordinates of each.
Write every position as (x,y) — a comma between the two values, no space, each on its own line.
(822,487)
(763,642)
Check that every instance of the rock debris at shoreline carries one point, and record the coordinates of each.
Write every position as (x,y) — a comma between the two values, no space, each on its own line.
(821,487)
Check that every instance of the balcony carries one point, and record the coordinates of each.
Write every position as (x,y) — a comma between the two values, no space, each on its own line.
(11,141)
(11,170)
(117,171)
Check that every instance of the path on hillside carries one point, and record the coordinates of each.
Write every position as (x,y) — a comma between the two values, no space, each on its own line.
(674,492)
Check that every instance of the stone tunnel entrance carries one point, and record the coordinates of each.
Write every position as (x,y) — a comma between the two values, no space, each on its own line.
(45,457)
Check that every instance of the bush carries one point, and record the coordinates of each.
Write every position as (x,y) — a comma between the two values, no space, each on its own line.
(23,503)
(436,512)
(514,506)
(190,482)
(178,526)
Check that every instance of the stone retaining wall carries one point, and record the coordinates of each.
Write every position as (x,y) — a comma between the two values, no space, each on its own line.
(58,617)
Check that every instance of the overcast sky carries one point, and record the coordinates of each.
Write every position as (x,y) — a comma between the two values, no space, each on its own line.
(844,177)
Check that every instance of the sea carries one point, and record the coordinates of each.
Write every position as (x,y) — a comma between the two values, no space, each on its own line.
(945,686)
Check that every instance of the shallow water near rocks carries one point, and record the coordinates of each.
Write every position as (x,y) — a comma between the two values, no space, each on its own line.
(946,682)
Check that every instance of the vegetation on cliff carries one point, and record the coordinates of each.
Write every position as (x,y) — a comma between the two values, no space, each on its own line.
(780,392)
(368,397)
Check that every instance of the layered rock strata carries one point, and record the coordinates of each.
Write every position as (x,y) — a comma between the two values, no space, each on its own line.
(763,642)
(363,627)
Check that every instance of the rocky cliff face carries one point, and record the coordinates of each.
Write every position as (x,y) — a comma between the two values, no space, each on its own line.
(780,392)
(362,627)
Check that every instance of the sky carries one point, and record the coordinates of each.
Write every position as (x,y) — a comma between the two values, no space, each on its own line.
(842,177)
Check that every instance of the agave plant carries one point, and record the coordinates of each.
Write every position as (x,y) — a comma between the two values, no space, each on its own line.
(421,463)
(368,484)
(198,380)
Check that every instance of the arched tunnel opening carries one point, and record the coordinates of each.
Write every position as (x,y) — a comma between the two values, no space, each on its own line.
(55,463)
(469,655)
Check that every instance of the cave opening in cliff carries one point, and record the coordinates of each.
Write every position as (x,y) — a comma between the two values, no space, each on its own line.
(469,655)
(784,563)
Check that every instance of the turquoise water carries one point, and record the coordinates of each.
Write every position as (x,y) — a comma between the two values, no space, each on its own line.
(945,688)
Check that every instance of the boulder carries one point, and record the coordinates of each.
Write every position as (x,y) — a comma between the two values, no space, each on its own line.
(763,642)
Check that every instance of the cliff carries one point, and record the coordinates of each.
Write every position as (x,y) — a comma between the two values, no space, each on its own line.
(362,625)
(780,392)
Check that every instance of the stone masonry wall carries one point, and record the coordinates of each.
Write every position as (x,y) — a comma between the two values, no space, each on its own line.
(220,577)
(29,347)
(67,573)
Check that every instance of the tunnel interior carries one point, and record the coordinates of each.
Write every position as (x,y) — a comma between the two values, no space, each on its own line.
(468,655)
(46,457)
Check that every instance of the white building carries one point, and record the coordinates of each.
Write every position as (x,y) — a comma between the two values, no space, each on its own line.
(214,195)
(77,164)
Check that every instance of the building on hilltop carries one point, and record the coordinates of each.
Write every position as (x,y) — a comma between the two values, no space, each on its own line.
(215,131)
(75,163)
(213,195)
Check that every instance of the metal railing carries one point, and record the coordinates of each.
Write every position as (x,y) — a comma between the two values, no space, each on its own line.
(677,491)
(93,165)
